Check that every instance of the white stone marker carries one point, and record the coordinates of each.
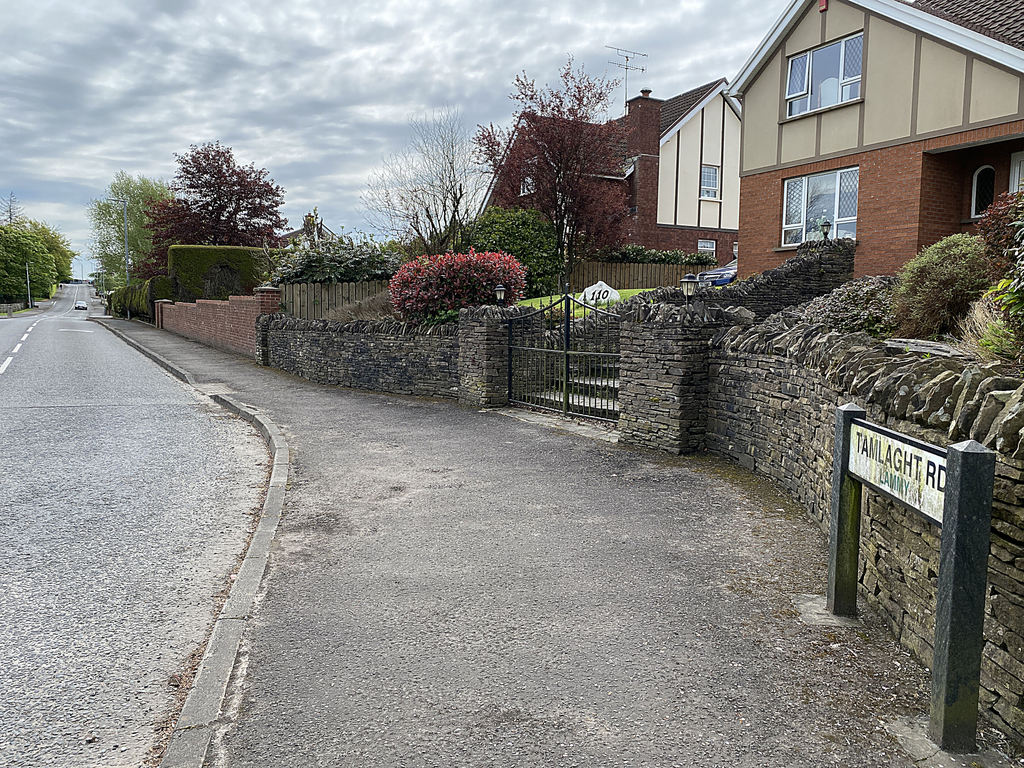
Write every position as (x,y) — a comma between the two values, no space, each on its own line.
(600,293)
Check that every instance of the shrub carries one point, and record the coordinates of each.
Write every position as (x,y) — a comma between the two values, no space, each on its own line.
(430,285)
(336,258)
(937,287)
(638,254)
(214,271)
(984,332)
(998,229)
(859,305)
(528,236)
(139,297)
(1008,294)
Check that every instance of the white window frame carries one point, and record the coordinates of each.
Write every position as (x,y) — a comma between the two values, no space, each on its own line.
(716,191)
(975,213)
(836,219)
(708,246)
(792,97)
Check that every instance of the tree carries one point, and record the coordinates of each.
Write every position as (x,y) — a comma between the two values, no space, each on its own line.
(429,192)
(107,220)
(559,155)
(20,246)
(58,247)
(11,212)
(526,235)
(216,202)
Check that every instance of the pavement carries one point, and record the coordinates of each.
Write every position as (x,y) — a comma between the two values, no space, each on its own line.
(118,534)
(452,587)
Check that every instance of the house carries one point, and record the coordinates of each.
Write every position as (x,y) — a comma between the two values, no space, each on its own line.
(679,163)
(683,171)
(896,122)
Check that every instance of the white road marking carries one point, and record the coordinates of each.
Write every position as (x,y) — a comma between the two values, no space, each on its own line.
(74,330)
(3,366)
(24,337)
(16,348)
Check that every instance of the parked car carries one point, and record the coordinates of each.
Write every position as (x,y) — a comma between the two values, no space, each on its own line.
(720,275)
(81,305)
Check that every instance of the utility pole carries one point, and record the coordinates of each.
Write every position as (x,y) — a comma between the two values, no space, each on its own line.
(124,202)
(28,286)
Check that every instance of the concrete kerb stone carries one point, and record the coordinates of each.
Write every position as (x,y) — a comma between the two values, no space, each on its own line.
(194,729)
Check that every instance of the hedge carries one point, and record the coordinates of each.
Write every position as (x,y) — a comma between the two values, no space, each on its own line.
(213,271)
(140,297)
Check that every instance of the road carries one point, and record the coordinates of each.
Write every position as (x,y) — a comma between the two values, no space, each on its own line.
(125,501)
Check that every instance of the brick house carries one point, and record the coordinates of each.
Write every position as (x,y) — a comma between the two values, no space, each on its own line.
(897,122)
(680,167)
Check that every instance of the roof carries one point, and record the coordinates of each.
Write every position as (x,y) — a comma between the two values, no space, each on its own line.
(1002,20)
(678,106)
(992,29)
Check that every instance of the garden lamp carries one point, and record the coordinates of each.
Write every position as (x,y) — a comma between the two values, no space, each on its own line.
(689,285)
(826,227)
(499,292)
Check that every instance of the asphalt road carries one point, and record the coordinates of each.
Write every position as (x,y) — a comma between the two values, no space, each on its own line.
(125,501)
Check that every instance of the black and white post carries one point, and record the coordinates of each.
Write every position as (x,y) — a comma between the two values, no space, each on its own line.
(844,527)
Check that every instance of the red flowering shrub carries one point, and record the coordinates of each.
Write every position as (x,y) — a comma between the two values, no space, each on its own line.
(433,286)
(998,229)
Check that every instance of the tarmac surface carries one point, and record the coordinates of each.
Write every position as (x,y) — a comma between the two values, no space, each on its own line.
(458,588)
(125,501)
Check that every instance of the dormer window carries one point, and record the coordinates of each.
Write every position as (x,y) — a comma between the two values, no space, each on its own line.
(824,77)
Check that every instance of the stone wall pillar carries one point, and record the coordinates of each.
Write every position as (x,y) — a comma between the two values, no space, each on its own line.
(268,298)
(483,356)
(663,390)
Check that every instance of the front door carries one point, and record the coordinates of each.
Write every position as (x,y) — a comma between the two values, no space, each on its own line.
(1016,171)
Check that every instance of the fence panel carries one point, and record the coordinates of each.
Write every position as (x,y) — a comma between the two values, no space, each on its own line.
(627,276)
(315,301)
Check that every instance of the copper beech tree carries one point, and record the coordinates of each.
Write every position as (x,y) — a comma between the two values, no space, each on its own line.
(562,159)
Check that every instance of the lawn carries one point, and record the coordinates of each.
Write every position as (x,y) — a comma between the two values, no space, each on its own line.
(545,300)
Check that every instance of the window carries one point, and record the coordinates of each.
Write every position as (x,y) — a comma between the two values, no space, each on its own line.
(810,200)
(527,186)
(709,182)
(706,246)
(824,77)
(983,190)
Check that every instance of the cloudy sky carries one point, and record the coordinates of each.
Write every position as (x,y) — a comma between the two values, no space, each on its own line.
(317,93)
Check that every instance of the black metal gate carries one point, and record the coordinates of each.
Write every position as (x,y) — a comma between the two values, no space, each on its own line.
(565,357)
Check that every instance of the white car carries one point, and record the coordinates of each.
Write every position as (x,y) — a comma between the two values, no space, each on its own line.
(81,305)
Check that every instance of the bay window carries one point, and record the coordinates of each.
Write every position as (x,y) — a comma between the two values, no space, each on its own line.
(824,77)
(810,200)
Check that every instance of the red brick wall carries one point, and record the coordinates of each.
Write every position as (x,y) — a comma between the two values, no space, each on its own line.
(908,199)
(229,325)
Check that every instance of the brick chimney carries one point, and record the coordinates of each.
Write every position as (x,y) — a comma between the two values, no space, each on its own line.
(643,124)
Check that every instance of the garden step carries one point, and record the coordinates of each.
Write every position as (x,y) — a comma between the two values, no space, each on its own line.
(595,381)
(598,406)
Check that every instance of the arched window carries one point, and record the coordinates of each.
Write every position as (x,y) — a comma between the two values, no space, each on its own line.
(983,190)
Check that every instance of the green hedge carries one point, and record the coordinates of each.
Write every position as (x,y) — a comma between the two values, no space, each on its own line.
(140,297)
(213,271)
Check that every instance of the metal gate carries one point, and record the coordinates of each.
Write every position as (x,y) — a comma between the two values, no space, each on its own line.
(565,357)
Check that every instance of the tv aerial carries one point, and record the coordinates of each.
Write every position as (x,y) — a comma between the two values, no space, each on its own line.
(626,56)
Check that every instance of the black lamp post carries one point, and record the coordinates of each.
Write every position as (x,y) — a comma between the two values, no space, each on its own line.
(689,285)
(826,227)
(499,293)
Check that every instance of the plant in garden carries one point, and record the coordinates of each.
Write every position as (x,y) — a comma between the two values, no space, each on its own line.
(426,287)
(999,228)
(864,305)
(560,152)
(638,254)
(317,256)
(936,287)
(526,235)
(1008,293)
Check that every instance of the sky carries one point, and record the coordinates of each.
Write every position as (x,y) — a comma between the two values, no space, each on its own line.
(318,93)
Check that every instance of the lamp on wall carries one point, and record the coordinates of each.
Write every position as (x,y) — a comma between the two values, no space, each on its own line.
(826,227)
(499,293)
(689,285)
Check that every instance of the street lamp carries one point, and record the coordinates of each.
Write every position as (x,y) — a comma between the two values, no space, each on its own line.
(689,285)
(499,293)
(127,308)
(826,227)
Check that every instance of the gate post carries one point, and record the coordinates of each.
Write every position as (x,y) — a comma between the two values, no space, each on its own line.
(844,525)
(960,599)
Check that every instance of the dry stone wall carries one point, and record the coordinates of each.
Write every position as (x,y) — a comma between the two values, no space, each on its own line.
(773,389)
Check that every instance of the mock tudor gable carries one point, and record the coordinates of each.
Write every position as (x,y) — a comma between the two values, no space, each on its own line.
(896,122)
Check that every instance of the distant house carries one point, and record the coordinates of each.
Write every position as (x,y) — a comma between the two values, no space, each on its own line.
(896,122)
(680,168)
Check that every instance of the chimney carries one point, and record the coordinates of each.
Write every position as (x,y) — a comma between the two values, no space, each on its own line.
(643,124)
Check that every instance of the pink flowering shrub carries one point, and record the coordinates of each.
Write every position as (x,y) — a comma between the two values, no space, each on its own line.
(436,287)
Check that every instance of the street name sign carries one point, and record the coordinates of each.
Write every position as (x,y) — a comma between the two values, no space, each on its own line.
(906,470)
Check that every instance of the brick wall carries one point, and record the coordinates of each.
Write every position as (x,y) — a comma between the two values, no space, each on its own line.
(228,325)
(908,199)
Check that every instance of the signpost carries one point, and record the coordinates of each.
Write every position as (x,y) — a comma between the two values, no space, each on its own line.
(952,487)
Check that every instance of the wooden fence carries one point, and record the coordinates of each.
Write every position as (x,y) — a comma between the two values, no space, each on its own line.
(625,276)
(313,301)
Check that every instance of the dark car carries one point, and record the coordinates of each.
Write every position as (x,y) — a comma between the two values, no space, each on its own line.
(81,305)
(719,276)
